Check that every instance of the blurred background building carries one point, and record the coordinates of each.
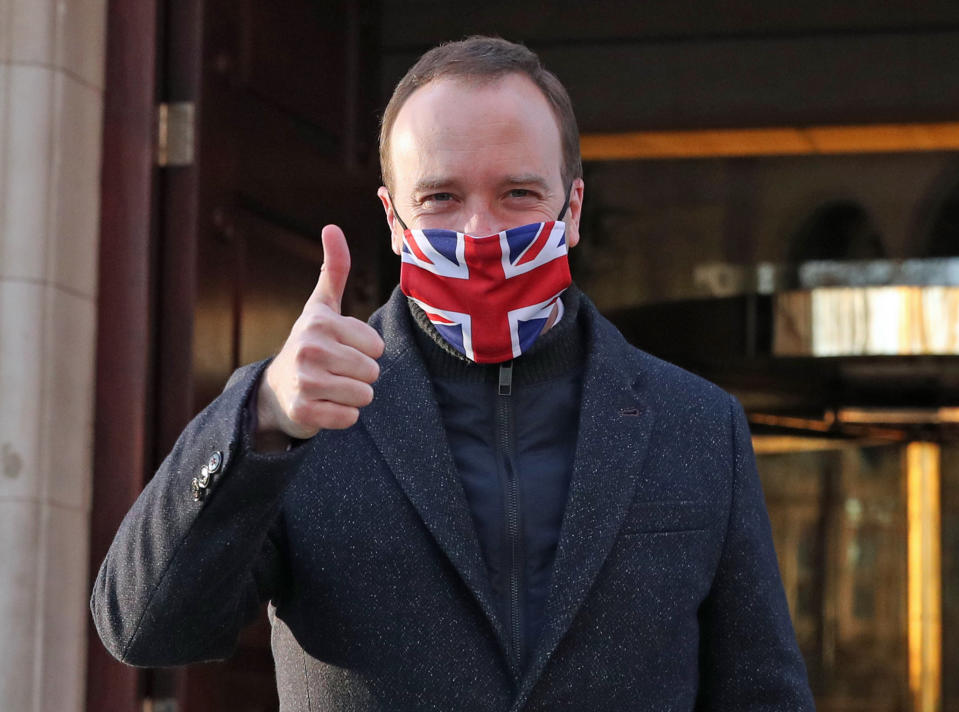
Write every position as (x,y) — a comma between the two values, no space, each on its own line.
(772,201)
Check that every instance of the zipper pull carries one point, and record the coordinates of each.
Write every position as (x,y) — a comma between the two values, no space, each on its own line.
(506,378)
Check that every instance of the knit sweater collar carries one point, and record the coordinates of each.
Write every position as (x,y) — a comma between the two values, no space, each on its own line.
(560,350)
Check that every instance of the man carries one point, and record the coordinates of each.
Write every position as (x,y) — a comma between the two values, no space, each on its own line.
(484,499)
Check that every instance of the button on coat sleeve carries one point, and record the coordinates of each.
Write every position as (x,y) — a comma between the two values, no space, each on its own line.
(749,657)
(200,549)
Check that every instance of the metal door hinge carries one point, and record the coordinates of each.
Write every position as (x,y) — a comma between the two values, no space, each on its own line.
(175,133)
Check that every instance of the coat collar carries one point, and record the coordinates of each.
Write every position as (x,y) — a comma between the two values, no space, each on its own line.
(614,427)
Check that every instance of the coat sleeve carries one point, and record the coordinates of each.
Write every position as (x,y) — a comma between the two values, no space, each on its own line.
(183,576)
(749,659)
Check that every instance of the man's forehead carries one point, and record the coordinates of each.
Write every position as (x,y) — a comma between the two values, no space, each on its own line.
(474,84)
(468,101)
(453,115)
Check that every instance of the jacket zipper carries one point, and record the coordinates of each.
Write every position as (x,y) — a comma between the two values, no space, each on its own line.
(504,423)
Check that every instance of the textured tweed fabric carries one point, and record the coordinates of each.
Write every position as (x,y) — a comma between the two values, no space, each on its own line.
(665,592)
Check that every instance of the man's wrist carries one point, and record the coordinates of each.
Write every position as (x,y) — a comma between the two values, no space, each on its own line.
(266,435)
(271,441)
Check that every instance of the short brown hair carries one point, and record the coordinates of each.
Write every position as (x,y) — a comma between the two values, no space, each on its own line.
(483,59)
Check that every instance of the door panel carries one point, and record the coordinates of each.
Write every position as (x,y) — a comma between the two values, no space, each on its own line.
(286,100)
(839,514)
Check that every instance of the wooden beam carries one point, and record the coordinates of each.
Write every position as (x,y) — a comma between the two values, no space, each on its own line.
(925,576)
(122,432)
(784,141)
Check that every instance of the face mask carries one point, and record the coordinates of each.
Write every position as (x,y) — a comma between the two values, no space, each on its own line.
(489,297)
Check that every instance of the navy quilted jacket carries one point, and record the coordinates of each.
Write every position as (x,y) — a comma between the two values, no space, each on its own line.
(511,430)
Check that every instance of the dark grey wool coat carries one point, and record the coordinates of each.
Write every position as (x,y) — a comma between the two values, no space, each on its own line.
(665,592)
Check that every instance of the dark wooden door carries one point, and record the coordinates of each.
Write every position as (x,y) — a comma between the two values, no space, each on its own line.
(285,97)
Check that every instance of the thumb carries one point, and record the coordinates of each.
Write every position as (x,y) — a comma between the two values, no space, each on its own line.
(336,268)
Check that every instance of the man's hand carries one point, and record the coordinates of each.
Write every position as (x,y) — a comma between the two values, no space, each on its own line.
(322,376)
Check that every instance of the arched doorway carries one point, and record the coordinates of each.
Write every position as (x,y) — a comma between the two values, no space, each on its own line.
(837,230)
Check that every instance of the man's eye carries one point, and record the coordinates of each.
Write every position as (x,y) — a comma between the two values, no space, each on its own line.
(438,198)
(520,193)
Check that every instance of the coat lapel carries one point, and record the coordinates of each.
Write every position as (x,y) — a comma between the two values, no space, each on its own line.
(412,441)
(614,429)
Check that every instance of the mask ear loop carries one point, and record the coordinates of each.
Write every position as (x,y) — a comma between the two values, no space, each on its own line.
(562,211)
(396,214)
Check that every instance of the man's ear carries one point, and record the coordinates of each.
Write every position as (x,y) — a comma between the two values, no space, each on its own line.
(574,212)
(396,232)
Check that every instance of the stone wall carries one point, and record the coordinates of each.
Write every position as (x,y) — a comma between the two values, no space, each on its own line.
(51,103)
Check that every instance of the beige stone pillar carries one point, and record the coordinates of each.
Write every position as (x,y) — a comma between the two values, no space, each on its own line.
(51,105)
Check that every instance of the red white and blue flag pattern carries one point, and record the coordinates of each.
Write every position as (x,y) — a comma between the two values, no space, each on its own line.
(489,297)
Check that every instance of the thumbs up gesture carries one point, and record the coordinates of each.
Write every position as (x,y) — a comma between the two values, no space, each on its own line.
(323,374)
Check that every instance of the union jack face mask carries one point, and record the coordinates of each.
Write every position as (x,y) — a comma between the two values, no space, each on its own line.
(489,297)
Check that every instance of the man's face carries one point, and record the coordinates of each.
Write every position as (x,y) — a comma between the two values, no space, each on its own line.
(477,158)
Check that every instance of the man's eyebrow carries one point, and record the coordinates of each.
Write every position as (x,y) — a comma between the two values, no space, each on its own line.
(432,183)
(527,179)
